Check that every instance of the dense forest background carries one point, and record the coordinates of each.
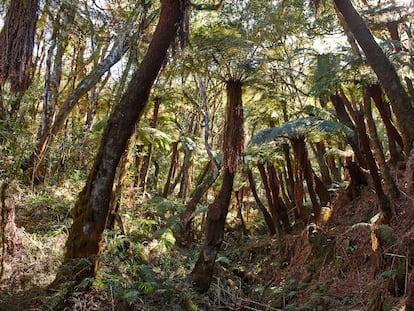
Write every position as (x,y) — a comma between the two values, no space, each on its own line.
(206,155)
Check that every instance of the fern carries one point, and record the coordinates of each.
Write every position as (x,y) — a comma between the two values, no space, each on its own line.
(301,128)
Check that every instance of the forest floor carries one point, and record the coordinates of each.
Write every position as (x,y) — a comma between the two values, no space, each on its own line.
(347,263)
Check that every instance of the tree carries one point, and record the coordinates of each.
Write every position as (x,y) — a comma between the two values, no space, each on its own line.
(233,147)
(91,208)
(385,71)
(16,41)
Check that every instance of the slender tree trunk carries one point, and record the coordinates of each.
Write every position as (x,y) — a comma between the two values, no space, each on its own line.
(270,200)
(384,202)
(378,153)
(53,77)
(171,171)
(277,200)
(353,140)
(394,136)
(8,227)
(239,194)
(319,150)
(187,217)
(304,167)
(92,207)
(267,217)
(385,71)
(148,157)
(290,180)
(233,149)
(117,194)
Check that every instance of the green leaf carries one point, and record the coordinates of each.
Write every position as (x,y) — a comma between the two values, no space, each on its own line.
(132,297)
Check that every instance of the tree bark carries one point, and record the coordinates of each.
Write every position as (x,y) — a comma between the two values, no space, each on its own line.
(304,168)
(267,217)
(353,140)
(270,200)
(385,71)
(91,209)
(378,153)
(233,149)
(394,136)
(171,171)
(148,157)
(384,202)
(17,41)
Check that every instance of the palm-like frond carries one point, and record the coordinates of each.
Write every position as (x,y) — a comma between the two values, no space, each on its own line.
(155,136)
(301,128)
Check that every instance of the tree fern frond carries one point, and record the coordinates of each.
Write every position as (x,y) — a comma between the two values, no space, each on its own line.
(304,127)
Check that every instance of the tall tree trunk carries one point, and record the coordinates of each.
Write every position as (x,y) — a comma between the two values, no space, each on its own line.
(290,180)
(53,77)
(85,85)
(352,140)
(233,148)
(267,217)
(319,150)
(384,202)
(378,153)
(148,157)
(270,200)
(304,168)
(394,136)
(17,41)
(91,209)
(171,171)
(277,200)
(385,71)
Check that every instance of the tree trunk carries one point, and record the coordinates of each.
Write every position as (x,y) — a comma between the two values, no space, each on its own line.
(91,209)
(290,180)
(385,71)
(8,227)
(304,167)
(53,77)
(202,273)
(277,200)
(186,217)
(17,41)
(319,150)
(233,149)
(147,158)
(385,112)
(267,217)
(378,153)
(270,200)
(353,140)
(384,202)
(171,171)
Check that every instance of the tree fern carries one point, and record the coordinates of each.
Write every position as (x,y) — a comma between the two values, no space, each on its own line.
(301,128)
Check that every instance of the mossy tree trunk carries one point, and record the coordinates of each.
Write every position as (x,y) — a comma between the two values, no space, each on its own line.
(92,206)
(233,148)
